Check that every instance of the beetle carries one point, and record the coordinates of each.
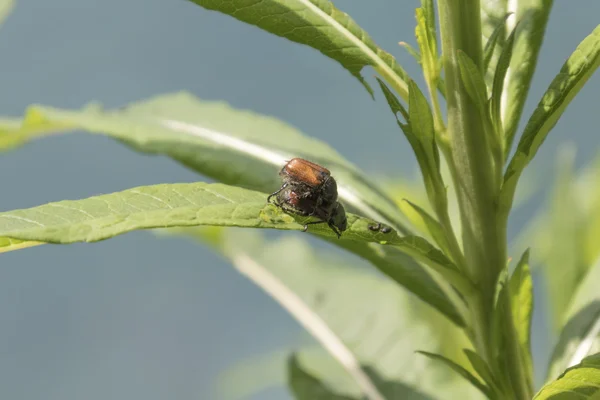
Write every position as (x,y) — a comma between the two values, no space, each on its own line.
(308,189)
(380,228)
(309,180)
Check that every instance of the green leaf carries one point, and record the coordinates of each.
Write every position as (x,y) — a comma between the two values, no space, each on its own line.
(474,83)
(8,244)
(253,374)
(579,382)
(521,299)
(412,51)
(178,205)
(462,372)
(420,133)
(573,75)
(579,338)
(427,40)
(490,45)
(421,136)
(481,367)
(498,82)
(162,206)
(379,323)
(318,24)
(498,332)
(409,274)
(420,217)
(304,386)
(532,17)
(427,10)
(232,146)
(564,267)
(393,101)
(493,16)
(473,80)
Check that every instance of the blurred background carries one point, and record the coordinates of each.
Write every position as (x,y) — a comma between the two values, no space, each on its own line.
(138,317)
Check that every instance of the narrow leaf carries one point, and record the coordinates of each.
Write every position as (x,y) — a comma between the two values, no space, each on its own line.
(481,367)
(425,33)
(309,386)
(532,18)
(461,371)
(420,217)
(421,118)
(428,10)
(162,206)
(493,13)
(579,382)
(232,146)
(393,101)
(521,299)
(579,338)
(498,82)
(318,24)
(473,80)
(421,135)
(304,386)
(8,244)
(409,274)
(490,45)
(381,333)
(412,51)
(573,75)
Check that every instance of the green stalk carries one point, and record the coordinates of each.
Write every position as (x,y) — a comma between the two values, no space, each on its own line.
(484,247)
(484,231)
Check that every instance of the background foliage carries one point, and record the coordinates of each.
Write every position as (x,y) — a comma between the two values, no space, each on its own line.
(150,288)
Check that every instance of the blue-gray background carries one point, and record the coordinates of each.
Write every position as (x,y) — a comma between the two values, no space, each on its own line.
(141,318)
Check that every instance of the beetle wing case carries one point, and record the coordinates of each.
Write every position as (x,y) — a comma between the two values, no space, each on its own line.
(305,172)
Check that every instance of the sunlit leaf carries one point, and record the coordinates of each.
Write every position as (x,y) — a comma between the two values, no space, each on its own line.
(318,24)
(579,382)
(579,338)
(490,45)
(236,147)
(530,20)
(373,317)
(563,264)
(304,386)
(420,133)
(161,206)
(409,274)
(493,15)
(574,74)
(498,81)
(420,217)
(521,299)
(481,367)
(462,372)
(473,81)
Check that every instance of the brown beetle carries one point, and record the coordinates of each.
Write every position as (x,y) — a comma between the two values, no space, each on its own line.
(309,190)
(302,171)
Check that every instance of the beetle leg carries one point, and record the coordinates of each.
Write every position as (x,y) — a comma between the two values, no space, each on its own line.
(375,228)
(312,223)
(296,211)
(277,192)
(334,229)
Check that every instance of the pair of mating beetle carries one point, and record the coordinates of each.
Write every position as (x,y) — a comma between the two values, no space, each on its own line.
(309,190)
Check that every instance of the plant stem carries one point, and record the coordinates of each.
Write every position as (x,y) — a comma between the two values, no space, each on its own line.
(483,230)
